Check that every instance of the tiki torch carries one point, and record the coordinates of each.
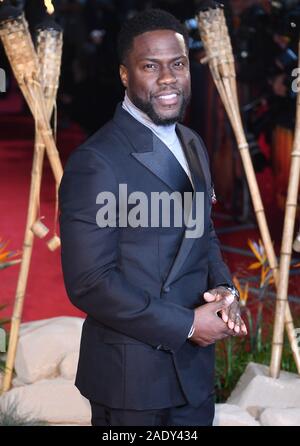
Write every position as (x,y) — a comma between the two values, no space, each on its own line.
(20,51)
(49,51)
(47,64)
(286,247)
(216,41)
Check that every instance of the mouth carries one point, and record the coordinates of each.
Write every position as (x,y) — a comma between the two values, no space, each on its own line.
(167,98)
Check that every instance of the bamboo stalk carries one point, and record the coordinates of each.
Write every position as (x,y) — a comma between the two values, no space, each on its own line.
(23,59)
(219,55)
(49,52)
(25,264)
(286,248)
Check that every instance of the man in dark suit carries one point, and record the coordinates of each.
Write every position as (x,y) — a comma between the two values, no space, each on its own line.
(147,347)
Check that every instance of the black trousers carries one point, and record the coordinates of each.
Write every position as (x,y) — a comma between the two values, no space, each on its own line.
(175,416)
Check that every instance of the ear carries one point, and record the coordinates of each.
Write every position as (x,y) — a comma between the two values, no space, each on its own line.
(123,75)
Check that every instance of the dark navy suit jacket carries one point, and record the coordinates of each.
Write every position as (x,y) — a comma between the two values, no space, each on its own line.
(138,286)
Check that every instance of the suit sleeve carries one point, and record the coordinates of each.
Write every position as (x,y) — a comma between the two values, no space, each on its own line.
(93,278)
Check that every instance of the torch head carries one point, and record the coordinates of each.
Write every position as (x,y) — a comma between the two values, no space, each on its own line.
(205,5)
(49,23)
(7,12)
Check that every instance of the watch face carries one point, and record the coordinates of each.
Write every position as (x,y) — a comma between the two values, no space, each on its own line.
(234,291)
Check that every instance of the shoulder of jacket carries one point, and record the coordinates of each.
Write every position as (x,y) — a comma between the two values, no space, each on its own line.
(105,144)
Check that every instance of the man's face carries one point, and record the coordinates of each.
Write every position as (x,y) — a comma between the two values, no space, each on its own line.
(157,77)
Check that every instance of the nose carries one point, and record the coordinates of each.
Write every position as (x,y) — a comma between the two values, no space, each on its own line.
(166,76)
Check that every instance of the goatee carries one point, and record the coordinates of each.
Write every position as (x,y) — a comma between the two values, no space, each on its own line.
(149,110)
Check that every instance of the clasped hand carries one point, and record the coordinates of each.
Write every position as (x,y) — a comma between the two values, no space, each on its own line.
(217,319)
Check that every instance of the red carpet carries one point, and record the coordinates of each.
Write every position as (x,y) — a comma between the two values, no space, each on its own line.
(46,296)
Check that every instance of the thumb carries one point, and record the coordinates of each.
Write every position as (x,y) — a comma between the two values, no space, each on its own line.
(209,297)
(223,303)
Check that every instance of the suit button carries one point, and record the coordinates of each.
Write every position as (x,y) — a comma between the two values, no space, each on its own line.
(166,289)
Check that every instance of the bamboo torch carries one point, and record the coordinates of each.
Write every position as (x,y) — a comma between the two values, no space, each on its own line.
(49,51)
(219,56)
(20,51)
(286,247)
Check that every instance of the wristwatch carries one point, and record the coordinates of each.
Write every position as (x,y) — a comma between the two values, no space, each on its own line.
(233,291)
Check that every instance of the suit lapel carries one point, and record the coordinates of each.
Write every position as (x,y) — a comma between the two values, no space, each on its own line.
(151,152)
(162,163)
(201,178)
(196,158)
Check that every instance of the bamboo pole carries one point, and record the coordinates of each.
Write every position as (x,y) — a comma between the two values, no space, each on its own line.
(23,59)
(286,248)
(49,50)
(25,264)
(219,55)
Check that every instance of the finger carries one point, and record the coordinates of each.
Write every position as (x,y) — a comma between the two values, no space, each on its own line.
(209,297)
(233,316)
(237,326)
(243,327)
(223,303)
(221,329)
(231,319)
(225,330)
(230,324)
(224,315)
(234,313)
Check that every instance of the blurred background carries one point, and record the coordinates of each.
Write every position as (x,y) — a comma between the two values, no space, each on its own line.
(265,38)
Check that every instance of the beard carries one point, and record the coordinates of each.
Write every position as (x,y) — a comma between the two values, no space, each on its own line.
(148,109)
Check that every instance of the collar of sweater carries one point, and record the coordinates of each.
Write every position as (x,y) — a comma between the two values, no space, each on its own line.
(165,133)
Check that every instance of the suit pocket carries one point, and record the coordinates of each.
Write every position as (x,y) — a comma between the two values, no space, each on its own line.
(114,337)
(109,336)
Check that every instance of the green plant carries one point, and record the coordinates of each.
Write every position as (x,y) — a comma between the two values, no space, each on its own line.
(232,357)
(3,322)
(7,258)
(10,417)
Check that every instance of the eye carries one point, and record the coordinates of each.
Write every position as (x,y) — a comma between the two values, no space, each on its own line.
(150,67)
(179,64)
